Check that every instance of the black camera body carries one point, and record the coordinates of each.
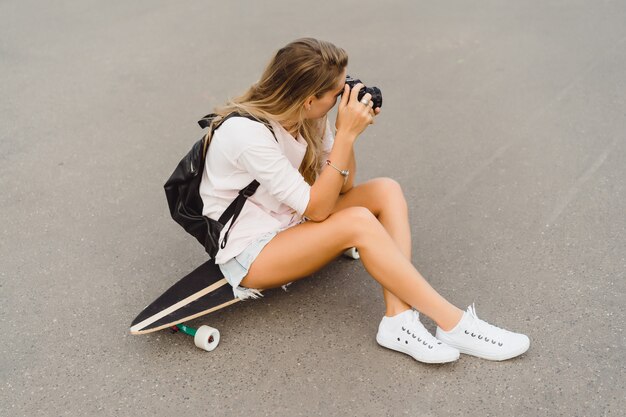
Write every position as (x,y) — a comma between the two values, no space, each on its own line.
(377,95)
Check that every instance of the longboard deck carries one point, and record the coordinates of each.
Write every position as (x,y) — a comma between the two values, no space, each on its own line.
(200,292)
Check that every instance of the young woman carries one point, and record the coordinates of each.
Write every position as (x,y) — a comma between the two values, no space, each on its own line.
(307,209)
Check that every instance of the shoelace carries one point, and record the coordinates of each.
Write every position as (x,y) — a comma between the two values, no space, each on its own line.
(425,338)
(482,329)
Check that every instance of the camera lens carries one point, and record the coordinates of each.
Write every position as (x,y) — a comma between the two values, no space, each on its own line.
(377,96)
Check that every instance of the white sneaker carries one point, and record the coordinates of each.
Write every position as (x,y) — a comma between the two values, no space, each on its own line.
(405,333)
(476,337)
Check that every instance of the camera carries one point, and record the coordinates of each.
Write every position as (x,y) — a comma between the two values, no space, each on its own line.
(377,95)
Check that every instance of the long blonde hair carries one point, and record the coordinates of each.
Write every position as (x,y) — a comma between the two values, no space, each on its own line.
(303,68)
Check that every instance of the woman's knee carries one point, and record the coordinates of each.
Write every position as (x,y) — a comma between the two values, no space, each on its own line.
(391,193)
(357,223)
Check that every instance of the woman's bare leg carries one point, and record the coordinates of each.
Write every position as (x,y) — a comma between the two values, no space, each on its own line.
(385,199)
(286,258)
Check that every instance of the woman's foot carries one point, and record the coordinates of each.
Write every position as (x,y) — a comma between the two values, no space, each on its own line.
(476,337)
(405,333)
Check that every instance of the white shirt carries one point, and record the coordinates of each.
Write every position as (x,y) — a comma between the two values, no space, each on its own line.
(243,150)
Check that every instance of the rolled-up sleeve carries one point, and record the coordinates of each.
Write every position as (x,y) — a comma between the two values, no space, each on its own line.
(271,168)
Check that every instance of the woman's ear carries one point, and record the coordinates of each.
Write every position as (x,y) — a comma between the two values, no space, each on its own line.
(308,102)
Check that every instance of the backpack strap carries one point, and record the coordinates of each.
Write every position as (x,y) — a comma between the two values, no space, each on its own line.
(208,119)
(236,206)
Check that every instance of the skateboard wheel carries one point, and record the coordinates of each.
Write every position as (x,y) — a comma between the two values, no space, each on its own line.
(207,338)
(352,253)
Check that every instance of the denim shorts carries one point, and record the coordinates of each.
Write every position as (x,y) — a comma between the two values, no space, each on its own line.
(235,269)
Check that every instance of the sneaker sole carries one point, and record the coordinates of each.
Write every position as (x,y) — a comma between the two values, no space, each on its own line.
(400,348)
(478,354)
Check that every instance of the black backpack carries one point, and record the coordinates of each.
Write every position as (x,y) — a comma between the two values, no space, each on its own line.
(182,190)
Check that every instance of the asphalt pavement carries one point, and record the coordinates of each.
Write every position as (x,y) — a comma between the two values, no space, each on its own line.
(504,122)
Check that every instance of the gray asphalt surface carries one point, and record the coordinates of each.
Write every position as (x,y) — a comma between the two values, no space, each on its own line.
(504,123)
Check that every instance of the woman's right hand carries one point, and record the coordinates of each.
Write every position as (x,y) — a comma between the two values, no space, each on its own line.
(352,115)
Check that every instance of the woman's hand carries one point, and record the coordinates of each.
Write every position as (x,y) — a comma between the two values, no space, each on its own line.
(354,116)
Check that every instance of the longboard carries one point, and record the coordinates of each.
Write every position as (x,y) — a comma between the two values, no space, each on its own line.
(202,291)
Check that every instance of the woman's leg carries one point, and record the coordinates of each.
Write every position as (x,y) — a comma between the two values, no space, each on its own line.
(385,199)
(305,248)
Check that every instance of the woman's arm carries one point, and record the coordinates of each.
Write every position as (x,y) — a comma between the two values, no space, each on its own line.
(325,191)
(352,168)
(352,118)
